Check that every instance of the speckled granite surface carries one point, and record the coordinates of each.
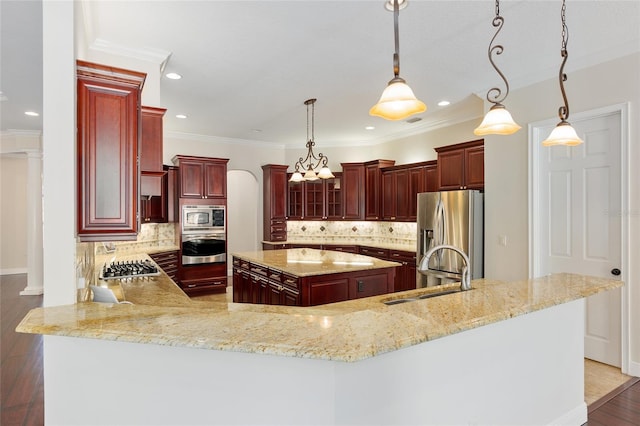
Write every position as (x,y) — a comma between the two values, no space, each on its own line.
(345,331)
(409,246)
(306,262)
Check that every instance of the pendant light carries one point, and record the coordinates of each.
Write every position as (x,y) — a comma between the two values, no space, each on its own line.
(310,163)
(498,120)
(563,134)
(397,101)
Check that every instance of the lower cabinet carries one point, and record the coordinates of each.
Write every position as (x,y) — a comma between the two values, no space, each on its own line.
(168,262)
(405,274)
(203,279)
(259,284)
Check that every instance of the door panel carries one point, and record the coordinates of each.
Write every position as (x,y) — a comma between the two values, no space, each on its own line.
(581,196)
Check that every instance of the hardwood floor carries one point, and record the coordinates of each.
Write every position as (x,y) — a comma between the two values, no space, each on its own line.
(21,383)
(22,395)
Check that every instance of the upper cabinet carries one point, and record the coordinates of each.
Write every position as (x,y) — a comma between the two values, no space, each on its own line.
(401,186)
(202,177)
(352,184)
(461,166)
(151,171)
(275,188)
(316,200)
(373,188)
(108,101)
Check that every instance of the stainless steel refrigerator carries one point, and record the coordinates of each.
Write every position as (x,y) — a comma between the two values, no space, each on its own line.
(454,218)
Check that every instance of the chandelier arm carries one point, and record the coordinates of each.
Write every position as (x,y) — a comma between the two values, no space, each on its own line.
(493,95)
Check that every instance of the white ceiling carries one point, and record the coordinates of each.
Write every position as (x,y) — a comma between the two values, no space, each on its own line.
(248,66)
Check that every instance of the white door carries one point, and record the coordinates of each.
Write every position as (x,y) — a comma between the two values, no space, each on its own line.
(580,205)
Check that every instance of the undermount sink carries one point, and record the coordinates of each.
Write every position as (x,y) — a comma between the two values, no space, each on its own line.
(422,296)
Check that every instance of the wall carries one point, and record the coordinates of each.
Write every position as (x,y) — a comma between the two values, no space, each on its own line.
(13,204)
(506,165)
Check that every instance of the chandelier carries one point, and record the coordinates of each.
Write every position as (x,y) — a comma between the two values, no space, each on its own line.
(310,163)
(563,134)
(397,100)
(497,121)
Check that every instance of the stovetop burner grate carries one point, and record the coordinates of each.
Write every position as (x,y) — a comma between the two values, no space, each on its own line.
(129,269)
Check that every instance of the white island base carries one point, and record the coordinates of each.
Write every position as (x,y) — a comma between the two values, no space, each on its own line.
(527,370)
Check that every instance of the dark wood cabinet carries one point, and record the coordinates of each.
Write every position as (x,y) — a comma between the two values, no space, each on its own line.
(315,200)
(164,208)
(400,188)
(151,171)
(108,101)
(168,262)
(461,166)
(431,183)
(274,213)
(353,191)
(405,278)
(203,278)
(373,188)
(202,177)
(254,283)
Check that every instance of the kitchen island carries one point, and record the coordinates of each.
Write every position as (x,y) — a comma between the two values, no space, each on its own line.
(501,353)
(308,277)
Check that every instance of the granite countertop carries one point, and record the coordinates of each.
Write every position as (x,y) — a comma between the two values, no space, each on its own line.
(305,262)
(346,331)
(364,242)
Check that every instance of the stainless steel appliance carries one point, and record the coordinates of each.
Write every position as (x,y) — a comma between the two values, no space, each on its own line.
(203,218)
(128,269)
(200,248)
(454,218)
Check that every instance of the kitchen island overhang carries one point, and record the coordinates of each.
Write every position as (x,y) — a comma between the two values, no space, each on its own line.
(502,353)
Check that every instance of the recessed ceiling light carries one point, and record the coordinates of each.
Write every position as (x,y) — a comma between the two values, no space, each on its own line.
(31,113)
(181,116)
(173,75)
(369,128)
(443,103)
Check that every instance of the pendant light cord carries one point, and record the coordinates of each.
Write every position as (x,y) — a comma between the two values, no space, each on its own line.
(396,55)
(563,111)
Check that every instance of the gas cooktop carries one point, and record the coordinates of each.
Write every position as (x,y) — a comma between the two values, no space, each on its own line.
(129,269)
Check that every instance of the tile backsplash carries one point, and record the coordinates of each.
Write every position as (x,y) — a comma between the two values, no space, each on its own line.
(346,231)
(151,235)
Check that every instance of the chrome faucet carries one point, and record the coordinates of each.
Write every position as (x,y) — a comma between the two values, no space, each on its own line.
(465,283)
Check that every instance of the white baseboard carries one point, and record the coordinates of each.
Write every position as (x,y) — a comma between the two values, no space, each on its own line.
(13,271)
(634,369)
(577,417)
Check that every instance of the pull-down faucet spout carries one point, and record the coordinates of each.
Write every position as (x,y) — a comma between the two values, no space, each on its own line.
(465,282)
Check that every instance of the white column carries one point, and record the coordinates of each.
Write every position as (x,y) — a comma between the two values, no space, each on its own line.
(34,225)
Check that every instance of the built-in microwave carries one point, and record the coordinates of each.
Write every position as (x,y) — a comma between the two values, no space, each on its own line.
(203,218)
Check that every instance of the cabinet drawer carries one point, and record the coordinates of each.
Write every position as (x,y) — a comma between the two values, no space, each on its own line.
(202,282)
(375,252)
(283,278)
(402,256)
(279,229)
(345,249)
(239,263)
(259,269)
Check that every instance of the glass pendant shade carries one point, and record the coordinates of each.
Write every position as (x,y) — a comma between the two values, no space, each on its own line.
(296,177)
(397,102)
(325,173)
(563,134)
(497,121)
(310,174)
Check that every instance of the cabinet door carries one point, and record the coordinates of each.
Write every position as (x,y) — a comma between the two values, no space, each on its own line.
(296,200)
(372,175)
(353,191)
(151,139)
(333,197)
(389,205)
(191,179)
(474,167)
(215,180)
(431,183)
(416,185)
(108,114)
(402,200)
(314,200)
(451,169)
